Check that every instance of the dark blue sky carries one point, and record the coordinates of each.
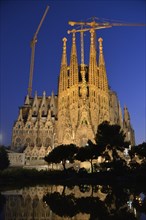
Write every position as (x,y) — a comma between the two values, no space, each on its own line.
(124,51)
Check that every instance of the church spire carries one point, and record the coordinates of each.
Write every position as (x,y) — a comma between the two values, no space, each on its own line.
(73,62)
(103,83)
(128,130)
(20,117)
(126,117)
(64,57)
(101,57)
(44,99)
(92,60)
(63,79)
(27,102)
(120,115)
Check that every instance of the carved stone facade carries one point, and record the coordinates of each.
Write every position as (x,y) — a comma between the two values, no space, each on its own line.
(84,101)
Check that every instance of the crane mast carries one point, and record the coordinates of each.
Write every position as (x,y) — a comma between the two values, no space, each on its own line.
(94,26)
(32,45)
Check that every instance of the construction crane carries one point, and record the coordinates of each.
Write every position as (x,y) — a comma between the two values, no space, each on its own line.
(32,45)
(93,25)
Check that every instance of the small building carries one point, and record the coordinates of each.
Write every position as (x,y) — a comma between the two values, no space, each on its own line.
(16,159)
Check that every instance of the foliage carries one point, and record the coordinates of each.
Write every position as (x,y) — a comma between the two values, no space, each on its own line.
(88,153)
(113,207)
(110,135)
(69,206)
(61,205)
(62,153)
(111,139)
(139,150)
(2,202)
(4,161)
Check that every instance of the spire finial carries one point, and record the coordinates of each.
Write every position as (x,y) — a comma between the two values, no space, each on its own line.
(100,40)
(27,100)
(44,94)
(20,118)
(73,37)
(101,57)
(64,44)
(92,31)
(64,59)
(35,93)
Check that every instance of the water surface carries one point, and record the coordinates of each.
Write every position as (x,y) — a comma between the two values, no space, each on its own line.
(82,202)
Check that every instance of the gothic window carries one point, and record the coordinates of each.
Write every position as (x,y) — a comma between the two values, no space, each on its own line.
(18,126)
(28,126)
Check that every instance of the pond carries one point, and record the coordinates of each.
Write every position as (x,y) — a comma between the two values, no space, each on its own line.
(83,202)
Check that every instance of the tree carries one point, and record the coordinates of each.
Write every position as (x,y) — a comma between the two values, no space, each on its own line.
(110,135)
(140,152)
(62,153)
(140,149)
(110,140)
(88,153)
(4,161)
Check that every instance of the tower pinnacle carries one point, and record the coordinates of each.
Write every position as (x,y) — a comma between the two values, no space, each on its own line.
(92,60)
(101,57)
(63,70)
(64,58)
(73,62)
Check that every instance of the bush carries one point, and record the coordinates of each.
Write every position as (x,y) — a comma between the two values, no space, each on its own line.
(4,161)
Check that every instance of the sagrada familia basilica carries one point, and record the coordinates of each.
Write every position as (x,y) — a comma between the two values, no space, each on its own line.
(84,100)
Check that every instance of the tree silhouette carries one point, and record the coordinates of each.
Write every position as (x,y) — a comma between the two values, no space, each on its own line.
(62,153)
(139,150)
(110,135)
(4,161)
(88,153)
(61,205)
(110,139)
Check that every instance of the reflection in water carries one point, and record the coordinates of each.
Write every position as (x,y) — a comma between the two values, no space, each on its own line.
(82,202)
